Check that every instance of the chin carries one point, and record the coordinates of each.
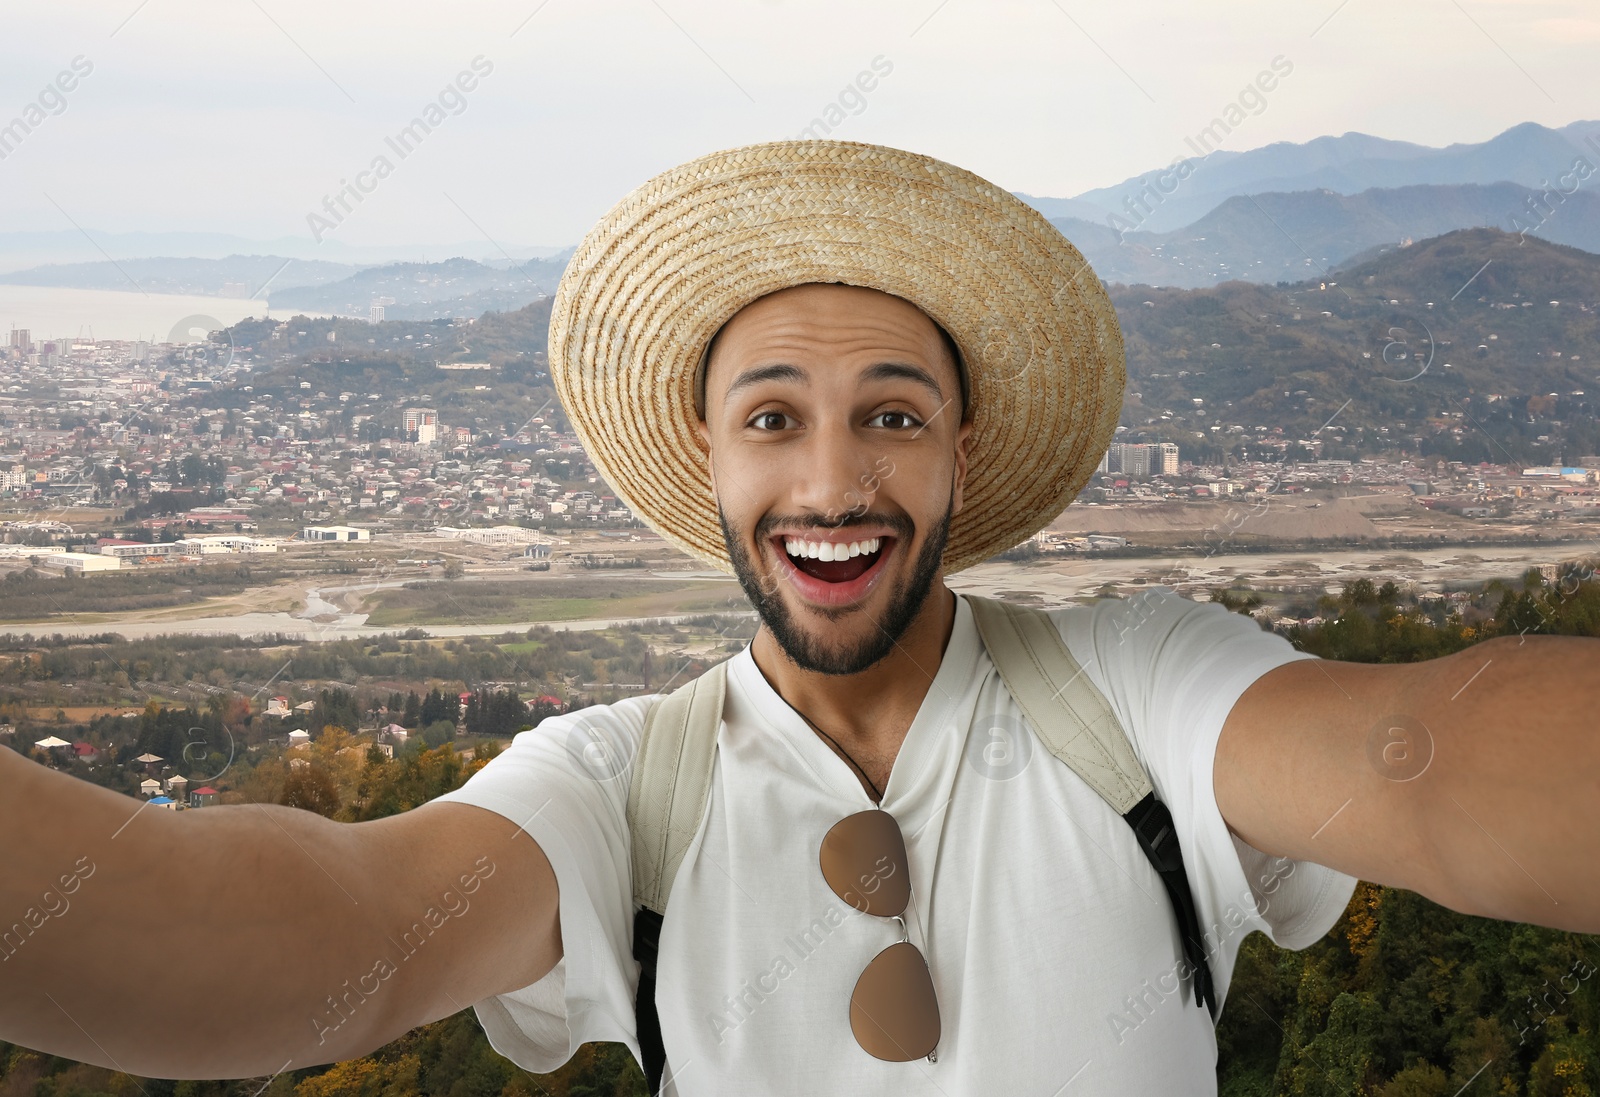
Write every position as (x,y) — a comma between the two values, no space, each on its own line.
(841,616)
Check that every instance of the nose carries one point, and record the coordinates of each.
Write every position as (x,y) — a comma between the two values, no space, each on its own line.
(833,476)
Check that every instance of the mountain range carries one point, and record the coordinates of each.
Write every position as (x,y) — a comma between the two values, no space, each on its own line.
(422,291)
(231,276)
(21,250)
(1530,154)
(1276,214)
(1284,237)
(1479,343)
(1476,345)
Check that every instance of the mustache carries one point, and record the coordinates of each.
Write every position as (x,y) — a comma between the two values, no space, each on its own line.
(899,524)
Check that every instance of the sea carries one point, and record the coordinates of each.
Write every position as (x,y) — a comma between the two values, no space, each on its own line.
(49,312)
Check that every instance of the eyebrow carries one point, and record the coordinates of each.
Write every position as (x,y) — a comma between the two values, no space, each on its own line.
(766,373)
(888,371)
(882,371)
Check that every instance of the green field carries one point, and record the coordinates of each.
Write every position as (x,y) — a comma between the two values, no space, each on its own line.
(493,603)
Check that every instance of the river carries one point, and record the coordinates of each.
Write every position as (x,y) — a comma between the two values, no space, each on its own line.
(1057,581)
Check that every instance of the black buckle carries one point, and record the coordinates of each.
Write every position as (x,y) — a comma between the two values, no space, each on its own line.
(1158,837)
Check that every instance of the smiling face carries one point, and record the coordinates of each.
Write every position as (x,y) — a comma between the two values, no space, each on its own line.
(834,418)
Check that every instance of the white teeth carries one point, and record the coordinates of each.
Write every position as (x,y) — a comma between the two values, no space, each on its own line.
(830,550)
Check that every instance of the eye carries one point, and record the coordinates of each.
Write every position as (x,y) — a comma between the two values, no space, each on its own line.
(770,420)
(893,420)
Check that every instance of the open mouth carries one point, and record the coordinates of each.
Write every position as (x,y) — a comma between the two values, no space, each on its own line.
(834,561)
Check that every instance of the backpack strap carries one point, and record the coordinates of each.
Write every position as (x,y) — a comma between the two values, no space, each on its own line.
(670,787)
(668,794)
(1076,724)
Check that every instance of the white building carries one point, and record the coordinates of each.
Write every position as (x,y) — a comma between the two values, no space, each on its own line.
(226,542)
(335,533)
(1166,459)
(135,550)
(80,561)
(423,422)
(495,535)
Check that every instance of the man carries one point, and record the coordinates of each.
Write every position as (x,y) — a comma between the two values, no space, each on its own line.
(841,372)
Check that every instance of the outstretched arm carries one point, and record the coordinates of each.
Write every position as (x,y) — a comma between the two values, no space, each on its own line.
(246,940)
(1472,779)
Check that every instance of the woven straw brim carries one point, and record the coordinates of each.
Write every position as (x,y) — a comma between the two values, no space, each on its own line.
(679,256)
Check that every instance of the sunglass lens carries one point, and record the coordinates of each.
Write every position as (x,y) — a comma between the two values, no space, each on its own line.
(893,1011)
(864,861)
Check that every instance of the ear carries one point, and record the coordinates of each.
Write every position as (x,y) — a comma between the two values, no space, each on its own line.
(963,444)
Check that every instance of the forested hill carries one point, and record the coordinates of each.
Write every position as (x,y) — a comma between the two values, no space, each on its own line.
(1416,339)
(1495,334)
(420,291)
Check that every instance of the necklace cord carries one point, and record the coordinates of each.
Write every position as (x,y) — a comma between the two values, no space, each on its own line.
(877,796)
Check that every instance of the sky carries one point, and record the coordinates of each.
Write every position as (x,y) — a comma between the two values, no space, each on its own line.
(242,116)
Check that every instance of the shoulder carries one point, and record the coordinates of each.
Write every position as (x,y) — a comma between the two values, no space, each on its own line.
(629,712)
(627,715)
(1158,648)
(597,742)
(1152,619)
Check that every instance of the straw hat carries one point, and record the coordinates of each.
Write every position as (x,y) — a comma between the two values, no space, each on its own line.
(675,259)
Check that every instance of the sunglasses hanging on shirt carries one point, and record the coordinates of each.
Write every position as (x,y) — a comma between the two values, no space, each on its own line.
(893,1011)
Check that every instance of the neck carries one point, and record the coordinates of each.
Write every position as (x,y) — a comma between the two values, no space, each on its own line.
(867,713)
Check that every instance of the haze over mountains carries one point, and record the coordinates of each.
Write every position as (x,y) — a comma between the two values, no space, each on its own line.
(232,276)
(1283,237)
(1281,213)
(423,291)
(20,251)
(1529,154)
(1287,211)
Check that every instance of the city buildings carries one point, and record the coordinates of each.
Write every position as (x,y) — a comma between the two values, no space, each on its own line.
(420,425)
(1141,459)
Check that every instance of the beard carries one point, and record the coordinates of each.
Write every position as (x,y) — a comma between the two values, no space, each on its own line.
(815,653)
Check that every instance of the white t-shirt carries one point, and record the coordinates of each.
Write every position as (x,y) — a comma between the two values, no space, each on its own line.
(1054,950)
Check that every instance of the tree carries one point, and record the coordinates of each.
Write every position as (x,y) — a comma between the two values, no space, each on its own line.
(436,706)
(1238,601)
(439,733)
(1360,592)
(337,708)
(1422,1080)
(310,789)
